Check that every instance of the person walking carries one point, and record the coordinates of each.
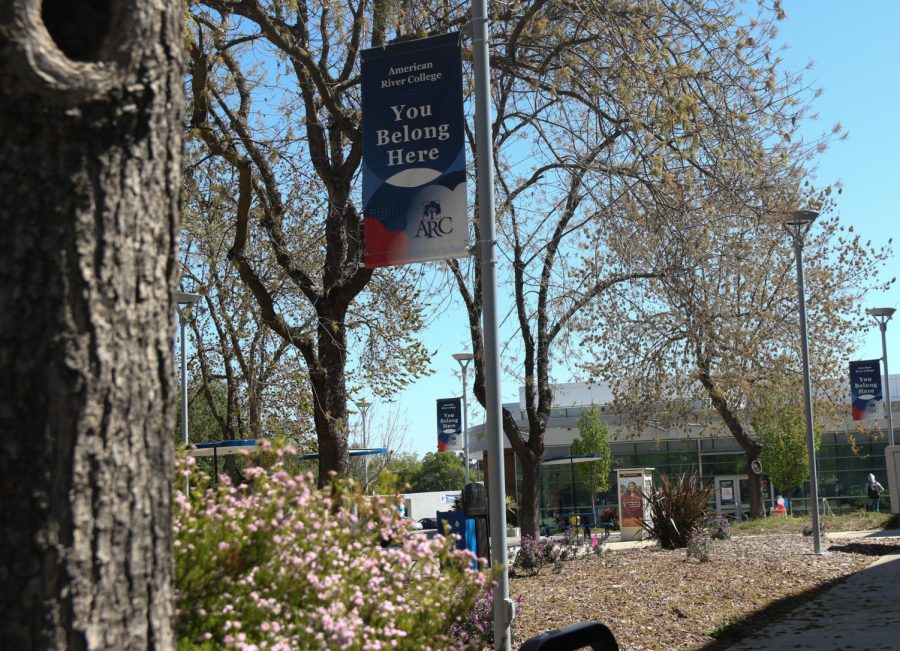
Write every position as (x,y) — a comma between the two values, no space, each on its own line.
(874,490)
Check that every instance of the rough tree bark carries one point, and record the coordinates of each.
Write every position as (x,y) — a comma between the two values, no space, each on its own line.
(90,161)
(752,449)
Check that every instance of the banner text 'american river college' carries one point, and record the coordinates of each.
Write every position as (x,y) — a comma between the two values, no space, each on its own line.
(414,159)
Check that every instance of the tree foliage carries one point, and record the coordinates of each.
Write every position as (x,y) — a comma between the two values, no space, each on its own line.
(703,342)
(406,473)
(397,475)
(439,471)
(593,439)
(389,433)
(252,381)
(780,425)
(615,125)
(274,129)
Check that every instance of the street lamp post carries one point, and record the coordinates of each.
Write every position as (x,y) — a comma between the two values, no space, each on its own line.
(504,610)
(363,406)
(798,224)
(882,315)
(183,298)
(464,359)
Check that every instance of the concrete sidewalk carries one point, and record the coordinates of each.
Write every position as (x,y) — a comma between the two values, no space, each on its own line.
(860,613)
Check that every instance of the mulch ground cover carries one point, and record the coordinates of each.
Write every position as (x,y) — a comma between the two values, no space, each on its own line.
(657,599)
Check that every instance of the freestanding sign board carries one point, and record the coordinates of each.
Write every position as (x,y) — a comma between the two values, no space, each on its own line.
(633,484)
(449,424)
(726,492)
(865,389)
(414,152)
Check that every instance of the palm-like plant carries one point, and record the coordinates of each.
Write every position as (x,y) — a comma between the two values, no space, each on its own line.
(677,509)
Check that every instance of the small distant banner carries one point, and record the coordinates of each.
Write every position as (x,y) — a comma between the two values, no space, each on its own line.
(865,390)
(414,152)
(726,492)
(449,422)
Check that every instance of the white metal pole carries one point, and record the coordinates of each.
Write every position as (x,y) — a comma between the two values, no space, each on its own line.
(184,391)
(465,367)
(887,381)
(366,456)
(807,395)
(363,407)
(487,247)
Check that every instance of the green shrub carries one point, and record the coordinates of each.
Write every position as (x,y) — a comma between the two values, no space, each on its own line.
(808,527)
(280,564)
(533,554)
(572,541)
(717,527)
(677,509)
(699,547)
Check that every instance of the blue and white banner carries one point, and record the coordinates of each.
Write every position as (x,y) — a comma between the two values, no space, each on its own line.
(449,424)
(414,152)
(865,389)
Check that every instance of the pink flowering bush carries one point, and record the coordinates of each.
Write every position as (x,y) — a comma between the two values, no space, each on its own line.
(279,564)
(479,623)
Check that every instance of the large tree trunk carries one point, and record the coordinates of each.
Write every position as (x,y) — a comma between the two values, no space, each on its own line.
(89,177)
(757,509)
(529,509)
(330,394)
(750,446)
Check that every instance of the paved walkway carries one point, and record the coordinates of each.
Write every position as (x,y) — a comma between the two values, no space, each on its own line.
(861,613)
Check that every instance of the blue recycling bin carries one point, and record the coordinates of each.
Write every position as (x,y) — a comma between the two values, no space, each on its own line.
(460,525)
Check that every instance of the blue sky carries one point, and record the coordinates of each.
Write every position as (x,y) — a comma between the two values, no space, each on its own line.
(856,52)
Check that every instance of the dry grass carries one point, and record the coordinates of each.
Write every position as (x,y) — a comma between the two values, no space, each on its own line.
(656,599)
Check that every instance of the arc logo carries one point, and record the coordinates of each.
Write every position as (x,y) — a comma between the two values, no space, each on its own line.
(433,223)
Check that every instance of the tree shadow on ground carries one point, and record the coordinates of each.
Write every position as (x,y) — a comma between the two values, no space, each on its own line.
(868,549)
(753,622)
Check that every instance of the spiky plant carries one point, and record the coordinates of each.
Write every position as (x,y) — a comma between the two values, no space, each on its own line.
(677,509)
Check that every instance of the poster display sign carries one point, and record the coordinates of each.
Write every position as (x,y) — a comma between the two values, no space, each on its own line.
(726,492)
(449,424)
(865,389)
(414,152)
(631,503)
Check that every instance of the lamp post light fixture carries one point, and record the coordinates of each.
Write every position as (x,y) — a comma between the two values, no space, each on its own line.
(363,406)
(882,315)
(798,224)
(183,298)
(464,359)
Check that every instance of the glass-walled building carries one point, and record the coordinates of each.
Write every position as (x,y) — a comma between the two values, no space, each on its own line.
(845,458)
